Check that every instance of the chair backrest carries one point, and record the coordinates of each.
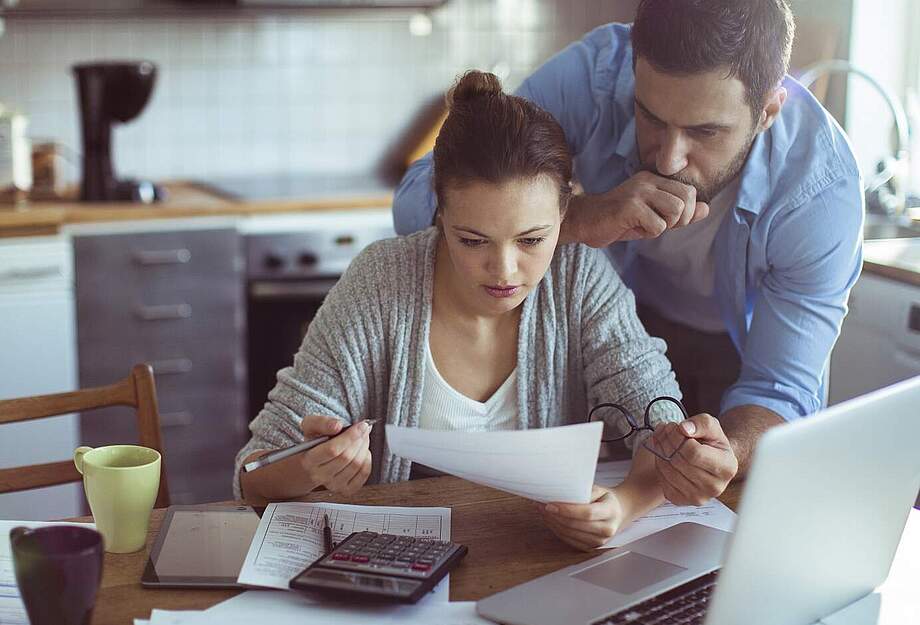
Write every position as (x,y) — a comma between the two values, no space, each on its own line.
(138,390)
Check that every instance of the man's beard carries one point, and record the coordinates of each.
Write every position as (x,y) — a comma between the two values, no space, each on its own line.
(706,192)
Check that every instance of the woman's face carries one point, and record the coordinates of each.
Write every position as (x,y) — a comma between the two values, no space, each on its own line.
(500,239)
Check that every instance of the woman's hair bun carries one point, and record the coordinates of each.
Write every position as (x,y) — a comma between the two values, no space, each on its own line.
(474,84)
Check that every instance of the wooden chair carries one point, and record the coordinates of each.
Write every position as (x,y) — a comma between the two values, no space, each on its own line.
(137,390)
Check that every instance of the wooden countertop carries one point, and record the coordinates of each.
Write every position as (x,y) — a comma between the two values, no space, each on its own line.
(184,200)
(895,259)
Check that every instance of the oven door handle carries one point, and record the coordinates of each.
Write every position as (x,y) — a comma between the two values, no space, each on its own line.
(267,290)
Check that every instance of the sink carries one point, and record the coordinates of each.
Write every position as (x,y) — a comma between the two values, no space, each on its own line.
(881,227)
(889,231)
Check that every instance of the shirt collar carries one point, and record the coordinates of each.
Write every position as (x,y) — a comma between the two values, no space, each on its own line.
(755,176)
(627,149)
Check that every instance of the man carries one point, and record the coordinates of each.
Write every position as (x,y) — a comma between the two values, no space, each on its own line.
(728,199)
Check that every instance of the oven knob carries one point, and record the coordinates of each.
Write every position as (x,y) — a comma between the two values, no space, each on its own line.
(273,261)
(308,259)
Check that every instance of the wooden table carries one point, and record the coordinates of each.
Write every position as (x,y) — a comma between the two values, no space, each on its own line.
(508,545)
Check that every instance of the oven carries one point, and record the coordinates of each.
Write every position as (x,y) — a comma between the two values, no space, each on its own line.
(290,267)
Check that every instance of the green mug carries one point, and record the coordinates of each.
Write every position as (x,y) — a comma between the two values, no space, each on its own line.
(121,484)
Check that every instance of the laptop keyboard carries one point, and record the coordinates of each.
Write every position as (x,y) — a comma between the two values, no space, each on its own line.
(684,605)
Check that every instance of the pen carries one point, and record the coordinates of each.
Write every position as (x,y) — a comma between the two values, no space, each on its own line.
(281,454)
(327,535)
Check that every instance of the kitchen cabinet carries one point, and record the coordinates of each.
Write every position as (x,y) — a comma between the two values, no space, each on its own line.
(174,300)
(38,356)
(90,8)
(879,342)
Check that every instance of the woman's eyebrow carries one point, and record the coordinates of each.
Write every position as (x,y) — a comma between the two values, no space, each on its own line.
(520,234)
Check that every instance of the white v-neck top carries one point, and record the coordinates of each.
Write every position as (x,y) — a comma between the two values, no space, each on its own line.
(445,408)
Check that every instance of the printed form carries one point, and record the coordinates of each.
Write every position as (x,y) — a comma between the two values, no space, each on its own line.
(290,535)
(712,514)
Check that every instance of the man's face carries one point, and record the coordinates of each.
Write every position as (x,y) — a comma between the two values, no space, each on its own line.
(696,129)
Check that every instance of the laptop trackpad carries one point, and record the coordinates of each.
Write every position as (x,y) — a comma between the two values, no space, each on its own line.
(628,573)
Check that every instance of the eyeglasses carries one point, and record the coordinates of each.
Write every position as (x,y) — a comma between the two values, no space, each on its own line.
(615,416)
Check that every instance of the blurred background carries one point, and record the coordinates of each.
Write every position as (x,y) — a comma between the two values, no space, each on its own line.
(261,87)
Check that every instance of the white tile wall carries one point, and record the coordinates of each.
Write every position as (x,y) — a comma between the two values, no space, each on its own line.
(278,92)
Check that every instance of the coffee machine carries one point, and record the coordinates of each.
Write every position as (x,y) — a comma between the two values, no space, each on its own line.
(111,92)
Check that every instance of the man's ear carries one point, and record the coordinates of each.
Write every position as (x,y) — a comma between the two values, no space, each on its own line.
(772,108)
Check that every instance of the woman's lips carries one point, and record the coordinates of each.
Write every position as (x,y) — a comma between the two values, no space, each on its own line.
(501,291)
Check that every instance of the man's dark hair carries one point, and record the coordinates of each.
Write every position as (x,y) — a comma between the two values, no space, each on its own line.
(753,38)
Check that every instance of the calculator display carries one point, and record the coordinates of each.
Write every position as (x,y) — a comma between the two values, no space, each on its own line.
(347,580)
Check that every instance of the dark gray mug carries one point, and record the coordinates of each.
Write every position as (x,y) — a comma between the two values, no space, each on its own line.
(58,569)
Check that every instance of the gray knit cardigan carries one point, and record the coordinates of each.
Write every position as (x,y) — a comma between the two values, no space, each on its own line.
(580,342)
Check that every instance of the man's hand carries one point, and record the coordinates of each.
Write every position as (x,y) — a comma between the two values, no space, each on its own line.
(703,465)
(589,525)
(642,207)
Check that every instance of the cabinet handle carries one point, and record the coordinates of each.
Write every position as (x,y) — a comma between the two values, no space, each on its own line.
(30,273)
(176,419)
(171,366)
(160,313)
(268,291)
(162,257)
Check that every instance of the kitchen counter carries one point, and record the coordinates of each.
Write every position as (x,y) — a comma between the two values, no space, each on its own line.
(895,259)
(184,200)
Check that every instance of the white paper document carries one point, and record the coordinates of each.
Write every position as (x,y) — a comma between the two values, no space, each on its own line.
(545,464)
(290,535)
(291,608)
(713,514)
(170,617)
(12,610)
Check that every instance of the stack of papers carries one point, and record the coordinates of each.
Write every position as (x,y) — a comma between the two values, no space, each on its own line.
(289,608)
(12,610)
(545,464)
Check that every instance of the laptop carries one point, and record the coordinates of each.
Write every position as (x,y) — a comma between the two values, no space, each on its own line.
(820,518)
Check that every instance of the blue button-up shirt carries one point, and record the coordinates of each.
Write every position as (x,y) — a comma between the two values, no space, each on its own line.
(786,255)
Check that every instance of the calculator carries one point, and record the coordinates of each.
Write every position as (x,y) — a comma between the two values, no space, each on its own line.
(385,567)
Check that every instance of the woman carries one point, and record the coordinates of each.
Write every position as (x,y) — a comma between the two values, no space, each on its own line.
(478,323)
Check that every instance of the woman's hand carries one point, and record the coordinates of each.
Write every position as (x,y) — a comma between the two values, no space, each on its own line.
(341,464)
(587,526)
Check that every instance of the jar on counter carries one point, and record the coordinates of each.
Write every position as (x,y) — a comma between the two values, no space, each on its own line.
(15,156)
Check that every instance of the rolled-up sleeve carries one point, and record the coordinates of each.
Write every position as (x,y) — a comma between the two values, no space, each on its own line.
(815,256)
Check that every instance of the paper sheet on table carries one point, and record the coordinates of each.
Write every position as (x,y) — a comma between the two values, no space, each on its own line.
(170,617)
(12,610)
(291,608)
(545,464)
(290,535)
(713,514)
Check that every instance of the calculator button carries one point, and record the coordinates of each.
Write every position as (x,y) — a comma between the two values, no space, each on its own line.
(341,556)
(358,558)
(420,566)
